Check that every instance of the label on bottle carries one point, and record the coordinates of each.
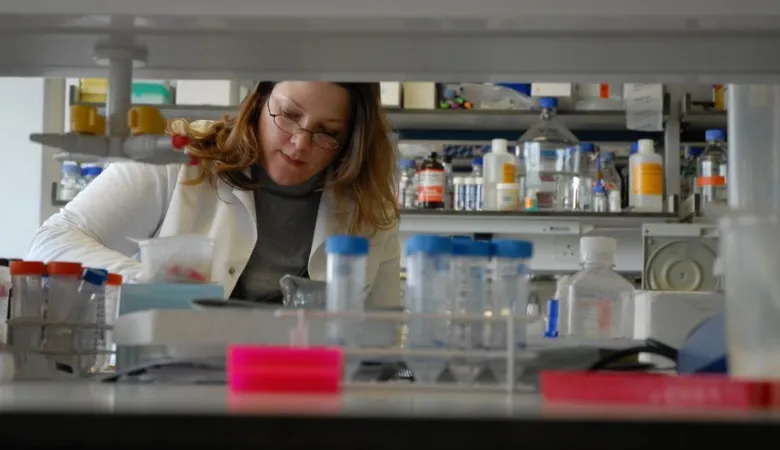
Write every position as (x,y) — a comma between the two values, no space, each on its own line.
(647,179)
(508,173)
(593,318)
(715,180)
(431,186)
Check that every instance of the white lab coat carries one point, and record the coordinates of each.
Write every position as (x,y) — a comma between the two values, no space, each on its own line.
(138,201)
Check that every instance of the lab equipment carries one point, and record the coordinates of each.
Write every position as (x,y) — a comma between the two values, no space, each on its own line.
(70,183)
(704,350)
(460,192)
(499,167)
(578,178)
(476,167)
(476,195)
(470,282)
(345,291)
(63,304)
(608,175)
(91,308)
(407,187)
(177,259)
(601,302)
(510,291)
(428,290)
(562,300)
(599,201)
(431,183)
(28,301)
(688,172)
(545,150)
(712,169)
(107,315)
(507,197)
(646,178)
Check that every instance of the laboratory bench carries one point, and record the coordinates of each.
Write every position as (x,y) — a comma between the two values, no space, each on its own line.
(124,415)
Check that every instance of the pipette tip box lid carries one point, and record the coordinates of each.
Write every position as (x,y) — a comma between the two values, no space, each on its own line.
(279,369)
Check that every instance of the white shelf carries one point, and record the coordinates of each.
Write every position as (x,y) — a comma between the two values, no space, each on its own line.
(439,119)
(553,40)
(525,223)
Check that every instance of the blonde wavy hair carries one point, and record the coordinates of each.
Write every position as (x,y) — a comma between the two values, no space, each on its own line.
(362,176)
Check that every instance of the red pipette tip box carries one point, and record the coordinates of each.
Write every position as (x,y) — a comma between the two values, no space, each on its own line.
(658,390)
(274,369)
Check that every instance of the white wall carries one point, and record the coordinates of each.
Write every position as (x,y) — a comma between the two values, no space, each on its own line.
(26,171)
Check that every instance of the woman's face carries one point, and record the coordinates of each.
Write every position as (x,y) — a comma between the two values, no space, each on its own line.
(320,113)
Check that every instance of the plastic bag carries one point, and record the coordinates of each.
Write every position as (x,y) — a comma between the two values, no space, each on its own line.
(302,293)
(177,259)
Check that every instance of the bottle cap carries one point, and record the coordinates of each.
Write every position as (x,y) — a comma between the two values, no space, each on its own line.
(64,269)
(499,146)
(598,249)
(428,244)
(347,245)
(512,248)
(114,279)
(27,268)
(462,247)
(95,276)
(646,146)
(587,147)
(715,135)
(548,102)
(477,161)
(695,152)
(634,148)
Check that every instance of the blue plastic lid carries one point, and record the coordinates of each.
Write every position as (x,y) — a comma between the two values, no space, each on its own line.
(512,248)
(477,161)
(634,148)
(95,276)
(428,244)
(94,170)
(599,189)
(523,88)
(587,147)
(715,135)
(548,102)
(407,164)
(347,245)
(70,167)
(462,247)
(551,331)
(694,152)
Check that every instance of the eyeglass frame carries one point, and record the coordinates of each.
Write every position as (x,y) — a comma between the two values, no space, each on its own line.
(301,129)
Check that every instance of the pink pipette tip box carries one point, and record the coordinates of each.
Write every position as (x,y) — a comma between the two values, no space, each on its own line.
(268,369)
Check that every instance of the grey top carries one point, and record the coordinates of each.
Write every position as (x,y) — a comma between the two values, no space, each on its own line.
(286,217)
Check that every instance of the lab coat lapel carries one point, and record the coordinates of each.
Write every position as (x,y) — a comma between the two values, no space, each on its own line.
(326,225)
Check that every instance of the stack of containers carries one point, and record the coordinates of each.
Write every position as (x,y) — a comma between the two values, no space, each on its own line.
(447,277)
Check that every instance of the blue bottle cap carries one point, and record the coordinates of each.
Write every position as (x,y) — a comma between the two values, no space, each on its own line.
(477,161)
(95,276)
(512,248)
(599,189)
(428,244)
(715,135)
(347,245)
(587,147)
(695,152)
(634,148)
(407,164)
(548,102)
(462,247)
(551,330)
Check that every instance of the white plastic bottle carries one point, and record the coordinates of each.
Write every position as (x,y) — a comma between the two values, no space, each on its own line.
(500,167)
(601,302)
(646,178)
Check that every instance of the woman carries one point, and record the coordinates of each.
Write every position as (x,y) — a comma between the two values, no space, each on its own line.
(301,161)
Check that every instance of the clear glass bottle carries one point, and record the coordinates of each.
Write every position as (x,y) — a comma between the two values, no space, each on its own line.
(712,169)
(407,186)
(431,183)
(544,147)
(601,302)
(688,170)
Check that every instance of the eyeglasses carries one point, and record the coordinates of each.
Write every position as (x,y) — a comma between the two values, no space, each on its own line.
(289,125)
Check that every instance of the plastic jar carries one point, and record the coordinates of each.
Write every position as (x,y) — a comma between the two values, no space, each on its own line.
(507,197)
(647,178)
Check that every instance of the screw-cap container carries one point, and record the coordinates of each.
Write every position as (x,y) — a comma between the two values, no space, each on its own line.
(512,248)
(499,146)
(347,245)
(428,244)
(646,146)
(598,249)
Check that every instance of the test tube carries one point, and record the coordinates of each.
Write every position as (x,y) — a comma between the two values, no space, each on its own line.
(106,345)
(62,287)
(28,300)
(427,292)
(345,291)
(509,295)
(469,278)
